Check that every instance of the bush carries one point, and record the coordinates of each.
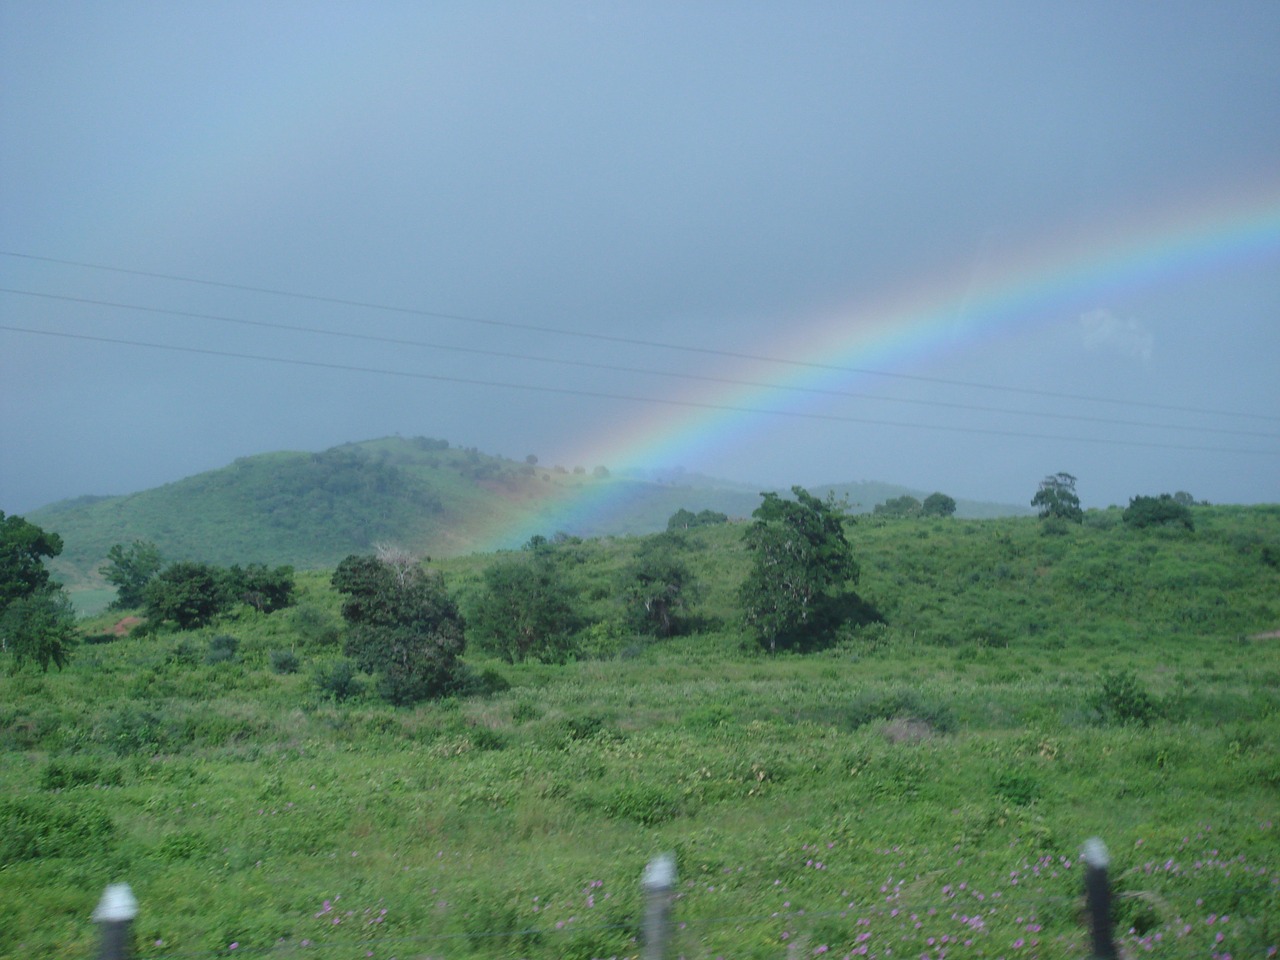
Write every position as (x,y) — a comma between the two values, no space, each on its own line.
(337,680)
(1161,511)
(222,649)
(283,661)
(1121,699)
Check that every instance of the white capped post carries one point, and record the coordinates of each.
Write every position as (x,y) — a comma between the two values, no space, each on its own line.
(659,883)
(1097,896)
(115,911)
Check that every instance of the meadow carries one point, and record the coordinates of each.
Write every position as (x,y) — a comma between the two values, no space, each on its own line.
(918,787)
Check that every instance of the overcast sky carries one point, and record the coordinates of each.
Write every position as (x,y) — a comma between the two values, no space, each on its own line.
(957,246)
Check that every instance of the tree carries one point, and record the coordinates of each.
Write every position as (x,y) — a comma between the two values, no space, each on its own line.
(657,587)
(264,589)
(898,507)
(189,594)
(684,519)
(129,569)
(1057,498)
(1163,510)
(799,554)
(402,626)
(23,549)
(525,611)
(40,628)
(938,505)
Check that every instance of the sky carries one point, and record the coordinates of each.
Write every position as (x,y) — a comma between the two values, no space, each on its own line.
(957,247)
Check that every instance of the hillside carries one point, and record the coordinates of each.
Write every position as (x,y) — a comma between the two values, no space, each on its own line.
(925,780)
(312,509)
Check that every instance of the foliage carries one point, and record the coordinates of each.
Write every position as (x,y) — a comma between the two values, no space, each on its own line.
(189,594)
(1056,498)
(899,507)
(684,519)
(222,649)
(402,626)
(337,680)
(40,628)
(264,589)
(658,587)
(525,610)
(938,505)
(1120,698)
(129,569)
(1161,511)
(799,553)
(283,661)
(248,809)
(23,547)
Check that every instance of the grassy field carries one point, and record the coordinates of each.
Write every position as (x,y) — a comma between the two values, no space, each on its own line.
(921,786)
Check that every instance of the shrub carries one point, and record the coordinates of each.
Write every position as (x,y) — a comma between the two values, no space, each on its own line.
(337,680)
(222,649)
(283,661)
(1121,699)
(1161,511)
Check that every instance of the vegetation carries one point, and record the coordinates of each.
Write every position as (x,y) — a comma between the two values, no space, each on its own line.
(525,610)
(402,627)
(129,569)
(800,554)
(929,774)
(311,510)
(1161,511)
(1057,500)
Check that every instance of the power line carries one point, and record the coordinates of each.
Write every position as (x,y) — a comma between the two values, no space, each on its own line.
(616,368)
(601,395)
(628,341)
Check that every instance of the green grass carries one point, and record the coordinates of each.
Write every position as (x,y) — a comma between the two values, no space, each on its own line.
(930,776)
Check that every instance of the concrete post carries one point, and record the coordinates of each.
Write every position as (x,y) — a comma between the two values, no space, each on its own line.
(659,883)
(1097,895)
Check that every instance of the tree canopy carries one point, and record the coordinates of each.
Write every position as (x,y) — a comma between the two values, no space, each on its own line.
(23,549)
(1057,498)
(129,569)
(1164,510)
(402,626)
(525,610)
(799,553)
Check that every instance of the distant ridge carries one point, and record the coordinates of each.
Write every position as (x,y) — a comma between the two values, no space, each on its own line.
(312,509)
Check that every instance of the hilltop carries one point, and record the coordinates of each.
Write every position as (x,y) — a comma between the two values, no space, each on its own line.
(427,495)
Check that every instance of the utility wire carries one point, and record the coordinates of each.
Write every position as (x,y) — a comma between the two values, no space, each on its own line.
(628,341)
(615,368)
(570,391)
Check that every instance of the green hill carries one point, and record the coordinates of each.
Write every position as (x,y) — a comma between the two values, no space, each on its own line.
(312,509)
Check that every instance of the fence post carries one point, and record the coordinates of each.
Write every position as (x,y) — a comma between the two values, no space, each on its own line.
(659,883)
(115,911)
(1097,896)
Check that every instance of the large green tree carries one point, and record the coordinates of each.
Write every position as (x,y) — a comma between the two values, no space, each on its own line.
(40,628)
(1057,498)
(402,626)
(657,587)
(129,569)
(800,559)
(525,610)
(189,594)
(23,549)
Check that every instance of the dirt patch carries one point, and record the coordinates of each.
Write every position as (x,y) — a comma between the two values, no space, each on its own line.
(125,625)
(1272,635)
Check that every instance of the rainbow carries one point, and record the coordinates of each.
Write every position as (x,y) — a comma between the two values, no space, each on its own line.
(901,331)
